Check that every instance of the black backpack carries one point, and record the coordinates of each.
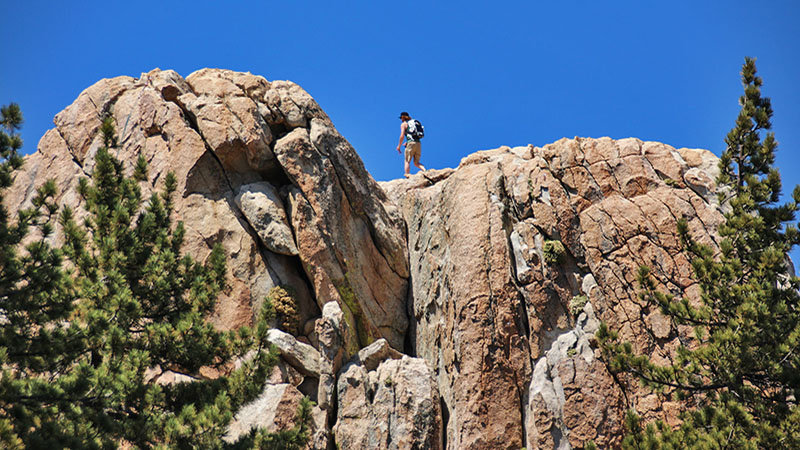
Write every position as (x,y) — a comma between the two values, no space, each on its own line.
(415,129)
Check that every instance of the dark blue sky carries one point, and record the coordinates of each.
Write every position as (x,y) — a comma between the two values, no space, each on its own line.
(478,74)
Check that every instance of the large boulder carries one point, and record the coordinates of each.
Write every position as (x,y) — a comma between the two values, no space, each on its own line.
(264,210)
(394,406)
(301,356)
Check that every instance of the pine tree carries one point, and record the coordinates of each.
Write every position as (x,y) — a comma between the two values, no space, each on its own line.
(743,369)
(83,341)
(31,285)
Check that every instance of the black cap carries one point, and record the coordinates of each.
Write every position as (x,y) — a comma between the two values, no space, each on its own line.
(403,114)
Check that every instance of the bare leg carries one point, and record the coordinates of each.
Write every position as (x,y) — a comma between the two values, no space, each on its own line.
(419,166)
(407,166)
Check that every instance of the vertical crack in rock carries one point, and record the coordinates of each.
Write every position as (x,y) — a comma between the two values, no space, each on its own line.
(72,152)
(331,144)
(522,325)
(445,411)
(547,386)
(209,151)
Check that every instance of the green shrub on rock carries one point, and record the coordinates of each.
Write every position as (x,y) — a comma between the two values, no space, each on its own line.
(577,303)
(553,251)
(285,307)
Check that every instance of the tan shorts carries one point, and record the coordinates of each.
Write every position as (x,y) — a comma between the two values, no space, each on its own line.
(413,151)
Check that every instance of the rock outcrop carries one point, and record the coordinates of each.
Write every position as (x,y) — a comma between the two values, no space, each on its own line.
(261,170)
(503,246)
(465,299)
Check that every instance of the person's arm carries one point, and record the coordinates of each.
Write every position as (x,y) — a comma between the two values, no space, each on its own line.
(403,127)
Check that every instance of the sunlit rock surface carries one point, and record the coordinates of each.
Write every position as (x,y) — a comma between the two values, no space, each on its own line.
(448,320)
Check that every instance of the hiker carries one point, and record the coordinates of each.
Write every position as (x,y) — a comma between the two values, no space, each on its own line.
(412,131)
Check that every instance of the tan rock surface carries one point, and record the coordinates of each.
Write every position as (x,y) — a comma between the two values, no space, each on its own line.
(396,406)
(264,210)
(489,310)
(274,409)
(355,253)
(217,130)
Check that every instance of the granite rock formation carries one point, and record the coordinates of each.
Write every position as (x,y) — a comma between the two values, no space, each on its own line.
(465,299)
(492,306)
(235,140)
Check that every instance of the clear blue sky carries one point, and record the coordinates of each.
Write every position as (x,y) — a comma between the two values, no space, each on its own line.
(478,74)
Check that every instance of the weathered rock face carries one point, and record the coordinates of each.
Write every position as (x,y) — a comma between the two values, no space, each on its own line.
(491,302)
(394,406)
(262,171)
(272,410)
(491,277)
(264,210)
(276,409)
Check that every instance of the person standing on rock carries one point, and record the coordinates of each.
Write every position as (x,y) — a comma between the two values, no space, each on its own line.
(412,131)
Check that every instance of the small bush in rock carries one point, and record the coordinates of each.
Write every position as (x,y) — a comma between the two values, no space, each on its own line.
(285,309)
(577,303)
(553,251)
